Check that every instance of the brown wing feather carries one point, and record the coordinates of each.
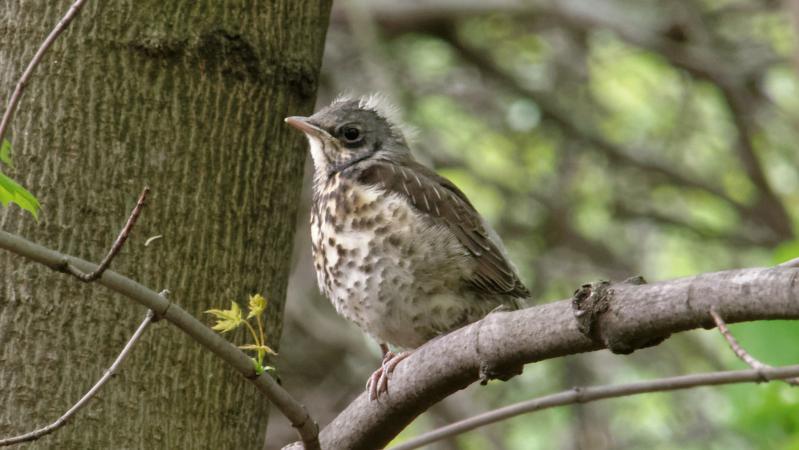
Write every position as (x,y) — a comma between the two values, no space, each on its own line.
(436,196)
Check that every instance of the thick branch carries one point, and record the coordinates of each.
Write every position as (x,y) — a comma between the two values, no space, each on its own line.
(636,316)
(61,421)
(295,412)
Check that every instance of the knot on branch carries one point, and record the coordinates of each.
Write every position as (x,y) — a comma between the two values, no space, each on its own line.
(590,302)
(492,368)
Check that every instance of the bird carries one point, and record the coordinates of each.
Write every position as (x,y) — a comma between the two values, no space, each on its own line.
(398,249)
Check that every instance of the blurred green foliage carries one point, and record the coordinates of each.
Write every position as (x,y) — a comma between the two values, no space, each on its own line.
(604,140)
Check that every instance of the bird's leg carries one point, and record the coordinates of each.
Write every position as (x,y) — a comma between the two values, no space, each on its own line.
(378,382)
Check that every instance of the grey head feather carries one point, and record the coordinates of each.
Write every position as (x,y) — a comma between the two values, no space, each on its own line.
(377,135)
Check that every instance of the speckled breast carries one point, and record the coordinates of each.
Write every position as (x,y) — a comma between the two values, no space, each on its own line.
(386,268)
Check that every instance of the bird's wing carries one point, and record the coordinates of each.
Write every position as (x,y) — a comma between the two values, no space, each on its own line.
(441,200)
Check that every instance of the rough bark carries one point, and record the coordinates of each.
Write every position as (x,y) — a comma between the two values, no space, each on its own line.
(625,318)
(187,97)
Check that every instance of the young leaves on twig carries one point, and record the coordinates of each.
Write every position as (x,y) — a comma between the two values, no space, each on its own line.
(230,319)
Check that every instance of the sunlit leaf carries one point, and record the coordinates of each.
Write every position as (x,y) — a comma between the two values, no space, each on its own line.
(227,319)
(10,192)
(257,305)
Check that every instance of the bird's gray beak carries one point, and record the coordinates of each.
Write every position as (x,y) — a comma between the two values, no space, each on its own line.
(302,124)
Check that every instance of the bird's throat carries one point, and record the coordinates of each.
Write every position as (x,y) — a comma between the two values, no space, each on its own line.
(334,169)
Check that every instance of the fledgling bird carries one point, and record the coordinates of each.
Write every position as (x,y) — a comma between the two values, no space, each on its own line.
(397,248)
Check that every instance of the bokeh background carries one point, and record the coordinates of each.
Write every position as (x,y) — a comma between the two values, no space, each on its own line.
(602,139)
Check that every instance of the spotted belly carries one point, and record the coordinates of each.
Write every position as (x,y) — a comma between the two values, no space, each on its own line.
(398,276)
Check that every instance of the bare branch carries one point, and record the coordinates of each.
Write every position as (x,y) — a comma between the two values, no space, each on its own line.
(61,421)
(118,243)
(23,80)
(591,394)
(306,427)
(793,263)
(770,208)
(631,317)
(741,352)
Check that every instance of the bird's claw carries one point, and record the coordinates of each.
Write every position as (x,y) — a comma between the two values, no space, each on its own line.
(378,381)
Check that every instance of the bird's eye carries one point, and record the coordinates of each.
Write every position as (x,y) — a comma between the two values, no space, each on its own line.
(351,134)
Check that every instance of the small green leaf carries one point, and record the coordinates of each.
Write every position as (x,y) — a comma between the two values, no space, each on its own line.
(259,369)
(227,319)
(10,192)
(257,305)
(5,153)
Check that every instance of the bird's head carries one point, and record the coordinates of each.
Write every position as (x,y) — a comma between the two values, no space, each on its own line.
(350,131)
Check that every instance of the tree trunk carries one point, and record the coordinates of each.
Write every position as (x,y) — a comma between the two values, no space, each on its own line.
(188,98)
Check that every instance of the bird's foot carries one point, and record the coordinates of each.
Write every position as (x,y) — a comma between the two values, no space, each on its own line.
(378,382)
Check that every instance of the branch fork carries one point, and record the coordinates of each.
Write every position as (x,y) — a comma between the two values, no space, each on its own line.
(741,352)
(66,267)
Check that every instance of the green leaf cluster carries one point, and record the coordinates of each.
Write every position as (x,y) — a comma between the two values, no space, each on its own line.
(233,318)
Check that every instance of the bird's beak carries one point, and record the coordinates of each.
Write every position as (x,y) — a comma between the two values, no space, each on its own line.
(302,124)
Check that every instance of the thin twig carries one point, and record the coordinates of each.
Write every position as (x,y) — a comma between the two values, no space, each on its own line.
(152,238)
(791,263)
(120,241)
(741,352)
(307,429)
(23,80)
(61,421)
(590,394)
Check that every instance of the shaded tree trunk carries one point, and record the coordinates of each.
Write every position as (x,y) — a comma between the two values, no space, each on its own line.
(188,98)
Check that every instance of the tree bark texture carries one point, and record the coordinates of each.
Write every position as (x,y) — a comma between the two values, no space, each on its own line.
(188,98)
